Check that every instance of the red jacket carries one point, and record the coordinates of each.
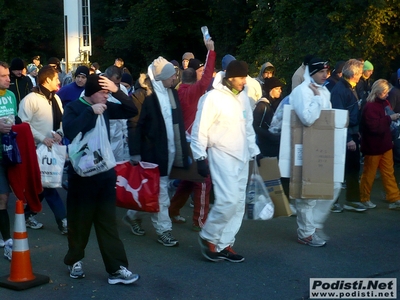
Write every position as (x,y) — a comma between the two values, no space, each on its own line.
(376,137)
(189,94)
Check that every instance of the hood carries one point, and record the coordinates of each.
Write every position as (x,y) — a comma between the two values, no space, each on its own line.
(263,66)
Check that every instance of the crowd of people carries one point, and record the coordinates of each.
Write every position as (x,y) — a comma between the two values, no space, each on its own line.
(223,117)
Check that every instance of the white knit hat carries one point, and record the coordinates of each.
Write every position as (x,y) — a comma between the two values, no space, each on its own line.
(162,69)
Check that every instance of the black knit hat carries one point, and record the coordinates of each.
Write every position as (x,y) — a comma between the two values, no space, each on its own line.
(92,85)
(271,83)
(82,70)
(195,63)
(317,64)
(236,68)
(17,64)
(54,61)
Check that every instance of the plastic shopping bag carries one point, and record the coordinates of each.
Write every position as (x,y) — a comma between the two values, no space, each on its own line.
(51,164)
(138,187)
(11,155)
(259,205)
(92,154)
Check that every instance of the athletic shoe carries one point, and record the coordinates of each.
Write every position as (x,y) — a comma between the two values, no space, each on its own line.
(2,243)
(134,225)
(336,208)
(230,255)
(354,206)
(313,240)
(123,275)
(368,204)
(76,270)
(8,245)
(208,250)
(196,228)
(322,234)
(178,219)
(32,223)
(63,226)
(167,239)
(191,204)
(395,205)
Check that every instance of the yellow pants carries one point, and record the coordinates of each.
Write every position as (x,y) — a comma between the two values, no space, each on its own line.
(385,164)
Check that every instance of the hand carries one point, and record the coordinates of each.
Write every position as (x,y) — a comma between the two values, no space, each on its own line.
(48,142)
(209,44)
(99,108)
(135,159)
(395,117)
(258,158)
(4,126)
(56,137)
(314,88)
(107,84)
(351,146)
(202,168)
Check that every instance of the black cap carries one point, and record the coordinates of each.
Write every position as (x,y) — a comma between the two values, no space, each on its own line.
(236,68)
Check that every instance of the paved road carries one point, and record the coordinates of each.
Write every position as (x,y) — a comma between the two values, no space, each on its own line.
(276,266)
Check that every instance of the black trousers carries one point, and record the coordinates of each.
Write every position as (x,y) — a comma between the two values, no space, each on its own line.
(91,200)
(352,172)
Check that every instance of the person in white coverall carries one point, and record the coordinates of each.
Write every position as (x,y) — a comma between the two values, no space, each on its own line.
(223,133)
(308,99)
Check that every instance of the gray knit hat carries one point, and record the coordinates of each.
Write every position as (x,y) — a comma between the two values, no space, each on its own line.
(162,69)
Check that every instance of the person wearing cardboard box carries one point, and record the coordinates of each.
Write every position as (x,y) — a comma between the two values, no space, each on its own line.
(308,99)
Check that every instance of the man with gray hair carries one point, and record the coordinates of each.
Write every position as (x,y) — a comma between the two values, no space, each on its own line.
(159,138)
(344,96)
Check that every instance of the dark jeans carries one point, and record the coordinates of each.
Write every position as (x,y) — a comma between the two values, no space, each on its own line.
(55,203)
(352,172)
(91,201)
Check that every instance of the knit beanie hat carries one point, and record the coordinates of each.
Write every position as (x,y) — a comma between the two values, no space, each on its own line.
(194,63)
(187,55)
(54,61)
(127,78)
(368,66)
(236,68)
(339,67)
(317,64)
(17,64)
(271,83)
(162,68)
(31,67)
(92,85)
(226,60)
(82,70)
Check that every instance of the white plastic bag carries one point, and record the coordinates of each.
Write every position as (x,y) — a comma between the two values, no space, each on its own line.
(51,164)
(259,205)
(92,154)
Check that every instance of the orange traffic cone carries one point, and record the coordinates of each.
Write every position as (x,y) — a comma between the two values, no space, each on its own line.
(21,275)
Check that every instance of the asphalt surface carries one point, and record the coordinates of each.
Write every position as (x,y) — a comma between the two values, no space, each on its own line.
(276,266)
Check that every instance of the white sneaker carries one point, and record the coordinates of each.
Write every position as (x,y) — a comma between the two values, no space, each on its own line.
(395,205)
(368,204)
(63,227)
(8,249)
(32,223)
(123,275)
(2,243)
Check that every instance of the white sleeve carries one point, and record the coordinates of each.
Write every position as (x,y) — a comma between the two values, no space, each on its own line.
(306,105)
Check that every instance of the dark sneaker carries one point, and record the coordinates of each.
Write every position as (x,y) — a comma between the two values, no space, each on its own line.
(208,250)
(196,228)
(230,255)
(123,275)
(167,239)
(32,223)
(313,240)
(354,206)
(336,208)
(134,225)
(76,271)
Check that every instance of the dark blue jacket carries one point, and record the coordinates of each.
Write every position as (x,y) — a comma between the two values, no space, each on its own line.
(343,96)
